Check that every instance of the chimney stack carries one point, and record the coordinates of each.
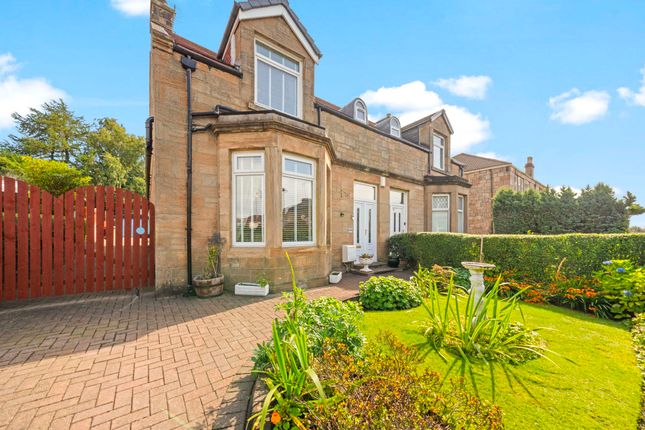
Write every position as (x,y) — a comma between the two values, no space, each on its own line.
(162,18)
(529,167)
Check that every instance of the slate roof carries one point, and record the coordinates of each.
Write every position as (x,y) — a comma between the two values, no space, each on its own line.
(475,162)
(256,4)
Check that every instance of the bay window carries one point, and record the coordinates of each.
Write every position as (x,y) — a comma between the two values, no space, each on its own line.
(277,80)
(248,199)
(298,205)
(440,212)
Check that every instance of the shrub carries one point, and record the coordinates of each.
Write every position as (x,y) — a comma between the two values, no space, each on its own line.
(638,334)
(386,293)
(623,284)
(387,390)
(530,257)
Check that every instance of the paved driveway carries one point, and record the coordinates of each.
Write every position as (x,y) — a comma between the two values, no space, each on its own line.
(106,361)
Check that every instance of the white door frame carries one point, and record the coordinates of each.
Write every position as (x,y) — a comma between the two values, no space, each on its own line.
(402,210)
(360,217)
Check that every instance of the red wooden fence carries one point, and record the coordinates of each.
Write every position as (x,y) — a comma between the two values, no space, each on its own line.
(90,239)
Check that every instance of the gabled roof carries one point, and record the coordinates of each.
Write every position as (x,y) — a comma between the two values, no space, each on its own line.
(265,8)
(432,117)
(475,162)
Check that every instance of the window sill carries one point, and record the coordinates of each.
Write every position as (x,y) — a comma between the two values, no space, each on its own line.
(259,106)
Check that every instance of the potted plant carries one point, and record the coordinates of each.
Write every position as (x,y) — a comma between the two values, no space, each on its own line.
(365,260)
(393,260)
(211,282)
(258,288)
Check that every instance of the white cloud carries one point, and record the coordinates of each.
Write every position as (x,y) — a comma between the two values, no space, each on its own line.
(575,107)
(493,155)
(18,95)
(413,101)
(576,191)
(472,87)
(132,7)
(636,98)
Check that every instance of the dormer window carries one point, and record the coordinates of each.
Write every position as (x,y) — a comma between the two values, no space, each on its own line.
(360,111)
(395,127)
(277,80)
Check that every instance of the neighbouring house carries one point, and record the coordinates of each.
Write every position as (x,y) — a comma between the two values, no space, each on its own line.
(271,167)
(487,177)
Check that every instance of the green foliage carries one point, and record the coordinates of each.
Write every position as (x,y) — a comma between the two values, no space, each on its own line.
(623,284)
(105,152)
(388,293)
(325,319)
(638,335)
(595,210)
(530,257)
(54,177)
(388,390)
(482,332)
(293,384)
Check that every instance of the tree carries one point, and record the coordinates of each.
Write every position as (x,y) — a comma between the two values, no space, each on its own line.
(595,210)
(54,177)
(111,156)
(53,133)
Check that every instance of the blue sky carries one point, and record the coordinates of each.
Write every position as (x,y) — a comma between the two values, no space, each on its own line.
(538,78)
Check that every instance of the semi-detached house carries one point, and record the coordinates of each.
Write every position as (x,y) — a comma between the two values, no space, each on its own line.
(271,167)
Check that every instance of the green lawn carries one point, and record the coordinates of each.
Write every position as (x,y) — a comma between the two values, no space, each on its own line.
(600,391)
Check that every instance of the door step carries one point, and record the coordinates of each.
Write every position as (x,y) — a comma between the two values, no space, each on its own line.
(378,268)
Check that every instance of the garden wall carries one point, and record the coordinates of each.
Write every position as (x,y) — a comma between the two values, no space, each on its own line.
(533,257)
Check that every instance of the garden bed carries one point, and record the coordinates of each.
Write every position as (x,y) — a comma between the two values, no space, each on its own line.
(599,387)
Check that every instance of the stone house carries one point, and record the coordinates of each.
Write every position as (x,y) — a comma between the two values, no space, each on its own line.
(487,177)
(239,145)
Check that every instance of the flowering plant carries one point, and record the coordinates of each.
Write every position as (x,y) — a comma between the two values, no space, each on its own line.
(622,283)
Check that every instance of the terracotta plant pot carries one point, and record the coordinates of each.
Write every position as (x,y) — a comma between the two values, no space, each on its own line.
(211,287)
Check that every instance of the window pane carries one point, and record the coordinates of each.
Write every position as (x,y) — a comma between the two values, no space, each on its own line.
(263,50)
(360,115)
(460,222)
(299,167)
(249,208)
(249,163)
(364,192)
(290,94)
(277,89)
(440,221)
(440,202)
(264,83)
(297,210)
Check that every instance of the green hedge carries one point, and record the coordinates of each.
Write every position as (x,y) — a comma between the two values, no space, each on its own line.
(534,257)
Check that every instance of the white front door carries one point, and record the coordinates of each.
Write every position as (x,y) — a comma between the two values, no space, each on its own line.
(398,212)
(365,219)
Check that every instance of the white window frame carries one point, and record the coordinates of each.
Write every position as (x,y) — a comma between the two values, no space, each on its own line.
(359,105)
(404,210)
(395,127)
(447,210)
(271,63)
(461,222)
(235,172)
(442,150)
(312,178)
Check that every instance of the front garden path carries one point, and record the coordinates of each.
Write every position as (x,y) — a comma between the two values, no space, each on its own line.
(108,362)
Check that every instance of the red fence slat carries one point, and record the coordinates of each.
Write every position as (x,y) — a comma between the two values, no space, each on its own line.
(70,271)
(100,238)
(136,220)
(151,248)
(34,242)
(90,226)
(127,241)
(47,236)
(9,239)
(79,240)
(144,244)
(22,202)
(118,240)
(59,246)
(109,238)
(2,282)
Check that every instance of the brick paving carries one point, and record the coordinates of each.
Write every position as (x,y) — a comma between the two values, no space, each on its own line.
(111,361)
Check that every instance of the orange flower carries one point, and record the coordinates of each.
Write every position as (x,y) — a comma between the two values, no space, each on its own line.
(275,418)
